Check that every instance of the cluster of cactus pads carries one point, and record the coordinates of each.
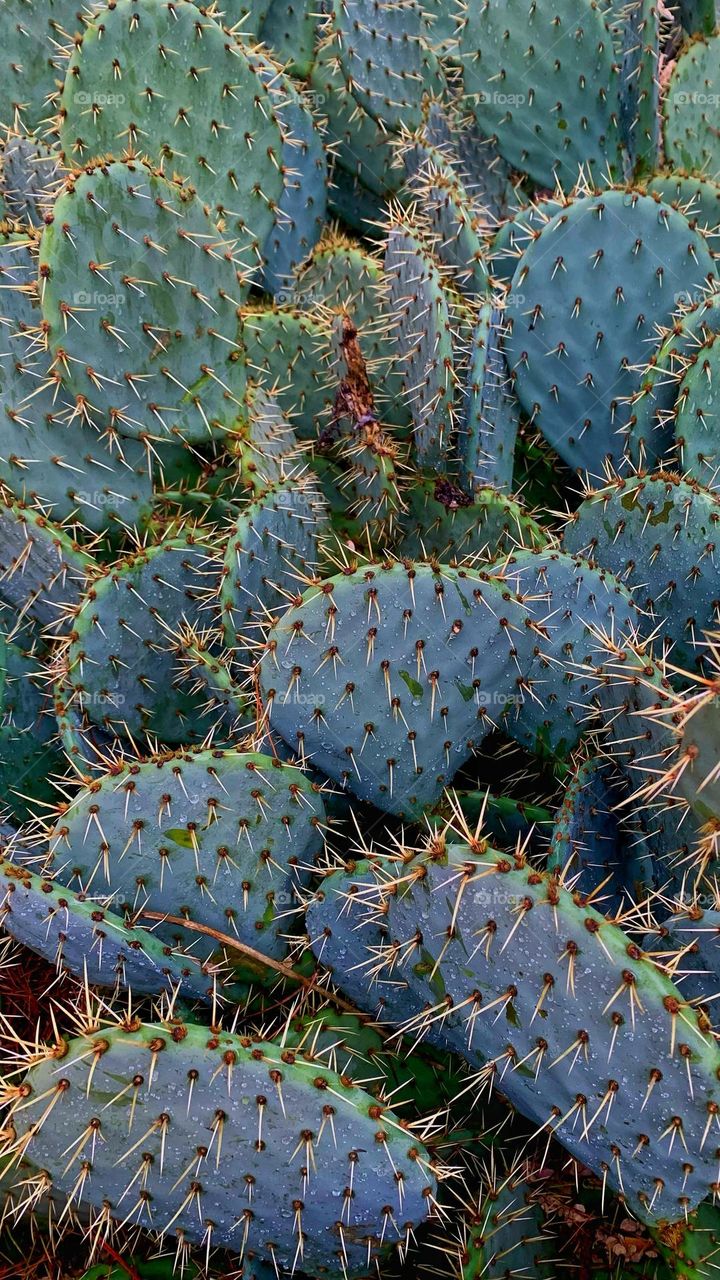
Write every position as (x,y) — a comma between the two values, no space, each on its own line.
(360,639)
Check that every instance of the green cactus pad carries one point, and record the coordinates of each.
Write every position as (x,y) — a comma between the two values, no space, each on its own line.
(124,94)
(164,1088)
(270,555)
(504,1234)
(422,332)
(442,658)
(692,1248)
(122,668)
(384,51)
(443,526)
(491,414)
(586,297)
(42,570)
(544,85)
(591,1041)
(658,536)
(141,306)
(221,838)
(81,936)
(288,353)
(651,427)
(35,34)
(690,109)
(697,426)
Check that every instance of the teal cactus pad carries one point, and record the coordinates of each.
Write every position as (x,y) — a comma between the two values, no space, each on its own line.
(422,333)
(658,534)
(265,446)
(695,196)
(302,207)
(343,951)
(651,429)
(482,943)
(344,277)
(639,116)
(31,764)
(288,353)
(544,85)
(491,413)
(586,844)
(42,571)
(29,171)
(613,254)
(697,425)
(689,945)
(515,235)
(271,554)
(455,229)
(79,935)
(224,839)
(121,663)
(384,50)
(424,671)
(35,34)
(363,147)
(18,288)
(146,358)
(51,459)
(442,658)
(690,108)
(484,174)
(155,106)
(185,1082)
(350,200)
(441,524)
(290,29)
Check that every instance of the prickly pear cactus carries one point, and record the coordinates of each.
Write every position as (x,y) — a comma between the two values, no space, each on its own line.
(359,639)
(220,839)
(129,294)
(171,1084)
